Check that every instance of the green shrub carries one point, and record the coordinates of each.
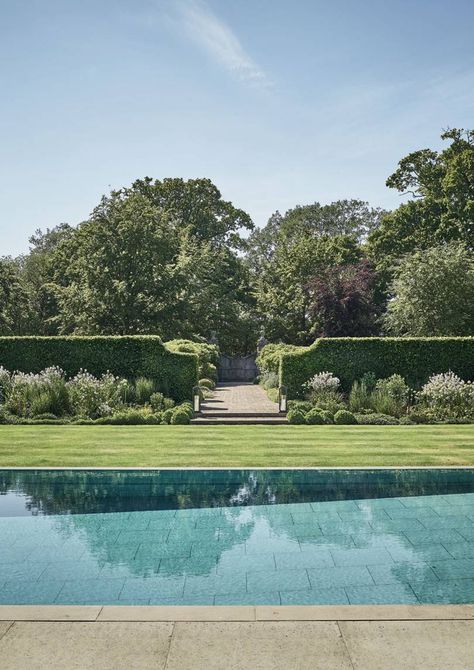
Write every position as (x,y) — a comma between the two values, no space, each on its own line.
(3,415)
(46,415)
(447,396)
(174,373)
(159,402)
(143,389)
(303,405)
(344,417)
(31,394)
(269,380)
(296,416)
(359,397)
(180,416)
(166,415)
(273,394)
(406,421)
(376,419)
(327,415)
(415,359)
(188,408)
(315,416)
(268,360)
(384,403)
(369,379)
(207,384)
(330,400)
(207,354)
(131,416)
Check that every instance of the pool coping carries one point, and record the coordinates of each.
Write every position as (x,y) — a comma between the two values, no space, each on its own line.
(236,613)
(239,468)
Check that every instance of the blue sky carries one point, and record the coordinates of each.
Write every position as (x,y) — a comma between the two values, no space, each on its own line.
(279,102)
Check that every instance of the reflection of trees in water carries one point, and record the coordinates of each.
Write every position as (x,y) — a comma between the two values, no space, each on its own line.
(100,539)
(72,491)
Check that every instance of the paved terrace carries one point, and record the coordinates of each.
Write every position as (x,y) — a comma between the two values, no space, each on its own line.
(395,637)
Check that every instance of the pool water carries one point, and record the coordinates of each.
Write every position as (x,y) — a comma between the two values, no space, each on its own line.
(232,537)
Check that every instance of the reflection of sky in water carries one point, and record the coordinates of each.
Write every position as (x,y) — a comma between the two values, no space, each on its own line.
(385,550)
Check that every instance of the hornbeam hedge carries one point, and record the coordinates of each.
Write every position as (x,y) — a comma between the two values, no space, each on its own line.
(174,373)
(415,358)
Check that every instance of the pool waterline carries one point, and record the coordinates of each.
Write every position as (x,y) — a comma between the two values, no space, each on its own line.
(281,538)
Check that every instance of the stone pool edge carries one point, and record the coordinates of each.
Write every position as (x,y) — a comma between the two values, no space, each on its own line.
(236,613)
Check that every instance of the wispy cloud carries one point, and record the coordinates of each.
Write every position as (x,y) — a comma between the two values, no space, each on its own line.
(212,34)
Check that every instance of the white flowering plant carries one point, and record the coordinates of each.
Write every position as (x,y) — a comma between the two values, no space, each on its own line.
(323,381)
(448,396)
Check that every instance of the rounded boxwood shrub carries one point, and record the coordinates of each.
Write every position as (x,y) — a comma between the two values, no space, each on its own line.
(166,416)
(180,416)
(327,415)
(296,416)
(343,418)
(315,417)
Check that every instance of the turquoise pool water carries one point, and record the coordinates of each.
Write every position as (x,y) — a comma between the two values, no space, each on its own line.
(237,537)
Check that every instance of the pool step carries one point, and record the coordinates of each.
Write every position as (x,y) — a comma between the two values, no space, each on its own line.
(240,419)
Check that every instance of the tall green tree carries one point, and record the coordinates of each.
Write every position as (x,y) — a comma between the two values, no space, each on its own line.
(441,184)
(433,293)
(291,250)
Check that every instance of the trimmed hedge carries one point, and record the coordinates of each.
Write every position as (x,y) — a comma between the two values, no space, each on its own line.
(133,356)
(415,358)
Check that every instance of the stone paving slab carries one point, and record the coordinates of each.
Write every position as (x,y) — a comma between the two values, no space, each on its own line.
(239,399)
(266,646)
(395,645)
(84,646)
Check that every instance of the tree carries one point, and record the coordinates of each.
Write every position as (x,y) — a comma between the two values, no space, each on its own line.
(13,298)
(158,257)
(442,209)
(292,249)
(433,293)
(343,301)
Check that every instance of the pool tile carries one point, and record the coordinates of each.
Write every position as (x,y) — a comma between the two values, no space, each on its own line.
(393,594)
(379,539)
(453,522)
(355,557)
(215,548)
(40,592)
(459,498)
(335,506)
(467,533)
(44,554)
(345,527)
(335,596)
(272,545)
(379,503)
(449,592)
(402,573)
(433,536)
(21,571)
(310,542)
(420,552)
(156,550)
(267,598)
(306,559)
(420,501)
(71,570)
(195,565)
(347,576)
(218,584)
(306,518)
(96,589)
(231,562)
(365,515)
(279,580)
(183,601)
(135,537)
(155,587)
(397,525)
(412,513)
(455,549)
(308,530)
(461,568)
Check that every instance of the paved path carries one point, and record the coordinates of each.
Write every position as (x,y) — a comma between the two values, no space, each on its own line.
(183,638)
(238,398)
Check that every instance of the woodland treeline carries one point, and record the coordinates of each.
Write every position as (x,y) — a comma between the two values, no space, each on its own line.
(171,257)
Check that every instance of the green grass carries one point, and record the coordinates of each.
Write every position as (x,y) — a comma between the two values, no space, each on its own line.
(221,446)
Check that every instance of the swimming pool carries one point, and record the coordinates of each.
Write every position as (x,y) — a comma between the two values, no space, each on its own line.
(232,537)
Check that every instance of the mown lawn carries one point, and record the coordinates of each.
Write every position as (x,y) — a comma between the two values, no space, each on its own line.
(221,446)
